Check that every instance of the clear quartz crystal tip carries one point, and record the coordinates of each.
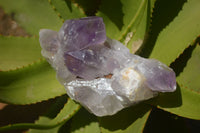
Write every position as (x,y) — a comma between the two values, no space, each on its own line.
(82,56)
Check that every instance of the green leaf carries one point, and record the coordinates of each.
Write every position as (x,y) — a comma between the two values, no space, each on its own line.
(163,13)
(189,83)
(30,85)
(179,34)
(53,111)
(141,29)
(184,102)
(16,52)
(67,9)
(190,76)
(126,18)
(129,120)
(84,122)
(64,115)
(69,110)
(33,15)
(90,7)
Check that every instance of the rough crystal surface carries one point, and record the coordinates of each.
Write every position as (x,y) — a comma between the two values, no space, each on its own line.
(96,95)
(82,33)
(82,55)
(159,77)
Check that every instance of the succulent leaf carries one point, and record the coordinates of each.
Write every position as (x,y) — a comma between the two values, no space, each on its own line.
(179,34)
(24,81)
(85,122)
(17,52)
(127,20)
(65,114)
(189,78)
(31,84)
(186,98)
(67,9)
(129,120)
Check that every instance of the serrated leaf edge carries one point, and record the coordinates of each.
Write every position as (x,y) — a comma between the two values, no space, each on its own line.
(58,13)
(78,6)
(10,36)
(149,112)
(55,10)
(40,60)
(27,65)
(38,126)
(123,35)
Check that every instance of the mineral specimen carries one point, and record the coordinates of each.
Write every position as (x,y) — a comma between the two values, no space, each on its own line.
(82,56)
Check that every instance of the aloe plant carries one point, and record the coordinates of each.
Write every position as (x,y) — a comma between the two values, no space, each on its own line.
(164,30)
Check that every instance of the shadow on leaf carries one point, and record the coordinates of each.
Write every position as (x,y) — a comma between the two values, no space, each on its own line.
(22,113)
(164,13)
(123,119)
(169,99)
(12,114)
(69,4)
(90,7)
(180,63)
(160,121)
(83,121)
(113,10)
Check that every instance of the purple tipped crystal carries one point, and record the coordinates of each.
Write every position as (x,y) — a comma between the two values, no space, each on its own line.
(161,78)
(77,34)
(80,37)
(86,63)
(82,55)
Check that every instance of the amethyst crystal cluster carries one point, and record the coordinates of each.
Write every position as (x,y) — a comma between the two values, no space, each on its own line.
(83,57)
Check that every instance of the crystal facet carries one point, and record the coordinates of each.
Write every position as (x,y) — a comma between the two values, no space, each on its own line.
(82,33)
(96,95)
(82,56)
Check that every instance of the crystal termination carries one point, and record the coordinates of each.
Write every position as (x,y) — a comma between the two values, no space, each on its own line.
(82,56)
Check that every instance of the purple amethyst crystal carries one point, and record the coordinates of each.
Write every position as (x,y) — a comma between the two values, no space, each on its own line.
(82,56)
(83,40)
(49,41)
(82,33)
(91,58)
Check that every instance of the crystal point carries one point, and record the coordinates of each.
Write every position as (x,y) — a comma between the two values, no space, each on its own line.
(82,56)
(78,34)
(49,42)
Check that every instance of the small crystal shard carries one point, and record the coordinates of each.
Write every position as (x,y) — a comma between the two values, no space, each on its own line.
(82,56)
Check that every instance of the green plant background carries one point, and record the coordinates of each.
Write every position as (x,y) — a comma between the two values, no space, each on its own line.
(168,30)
